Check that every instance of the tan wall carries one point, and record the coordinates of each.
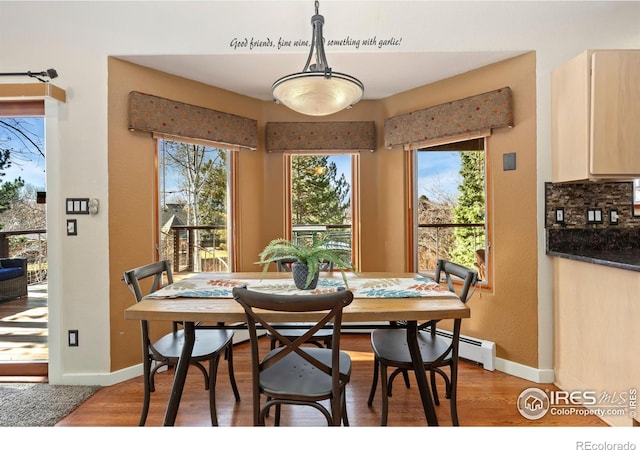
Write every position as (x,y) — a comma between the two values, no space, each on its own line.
(132,187)
(596,316)
(506,314)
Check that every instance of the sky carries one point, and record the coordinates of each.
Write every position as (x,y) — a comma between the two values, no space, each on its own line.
(31,171)
(438,173)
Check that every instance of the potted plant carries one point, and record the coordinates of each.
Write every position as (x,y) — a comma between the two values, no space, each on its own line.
(308,259)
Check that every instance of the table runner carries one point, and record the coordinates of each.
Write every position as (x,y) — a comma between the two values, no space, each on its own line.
(206,285)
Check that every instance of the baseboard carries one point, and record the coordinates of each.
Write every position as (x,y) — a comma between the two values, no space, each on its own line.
(109,379)
(528,373)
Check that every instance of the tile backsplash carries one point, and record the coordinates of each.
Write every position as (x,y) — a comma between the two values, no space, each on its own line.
(574,233)
(576,199)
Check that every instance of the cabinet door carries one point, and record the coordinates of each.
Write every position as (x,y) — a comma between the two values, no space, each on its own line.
(615,113)
(570,101)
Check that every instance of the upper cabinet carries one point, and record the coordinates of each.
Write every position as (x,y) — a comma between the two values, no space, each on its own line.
(595,107)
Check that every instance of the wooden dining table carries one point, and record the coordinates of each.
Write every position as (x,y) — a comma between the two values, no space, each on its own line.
(379,297)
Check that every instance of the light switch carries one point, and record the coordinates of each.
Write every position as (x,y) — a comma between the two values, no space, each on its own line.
(594,215)
(598,215)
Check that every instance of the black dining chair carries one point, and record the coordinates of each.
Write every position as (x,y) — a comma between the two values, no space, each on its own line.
(209,345)
(321,338)
(390,347)
(291,373)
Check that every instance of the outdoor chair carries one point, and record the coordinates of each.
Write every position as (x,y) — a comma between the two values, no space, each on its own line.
(209,343)
(390,347)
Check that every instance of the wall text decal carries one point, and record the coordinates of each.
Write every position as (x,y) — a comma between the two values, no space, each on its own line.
(253,43)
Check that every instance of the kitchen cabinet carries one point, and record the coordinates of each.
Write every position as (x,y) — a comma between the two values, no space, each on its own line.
(595,117)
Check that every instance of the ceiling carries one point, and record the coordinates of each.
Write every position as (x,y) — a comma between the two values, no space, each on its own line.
(439,39)
(383,74)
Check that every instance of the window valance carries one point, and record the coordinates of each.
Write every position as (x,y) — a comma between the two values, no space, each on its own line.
(348,136)
(168,117)
(477,113)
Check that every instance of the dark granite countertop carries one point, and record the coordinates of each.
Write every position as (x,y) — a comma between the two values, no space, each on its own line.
(628,259)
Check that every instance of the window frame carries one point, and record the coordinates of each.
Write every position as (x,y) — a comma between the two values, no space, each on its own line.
(355,196)
(412,203)
(232,181)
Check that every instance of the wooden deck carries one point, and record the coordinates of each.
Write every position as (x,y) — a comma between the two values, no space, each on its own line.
(24,334)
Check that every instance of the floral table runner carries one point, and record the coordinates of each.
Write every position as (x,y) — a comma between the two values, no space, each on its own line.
(208,286)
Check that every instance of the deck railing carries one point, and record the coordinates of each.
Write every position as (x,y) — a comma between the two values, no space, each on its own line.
(204,248)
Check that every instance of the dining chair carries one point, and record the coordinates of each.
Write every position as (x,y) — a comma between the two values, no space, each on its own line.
(291,373)
(390,346)
(209,343)
(321,338)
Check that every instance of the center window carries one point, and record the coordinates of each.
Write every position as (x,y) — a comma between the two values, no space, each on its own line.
(321,200)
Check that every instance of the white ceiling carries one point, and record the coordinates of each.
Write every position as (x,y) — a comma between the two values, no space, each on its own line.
(382,74)
(439,39)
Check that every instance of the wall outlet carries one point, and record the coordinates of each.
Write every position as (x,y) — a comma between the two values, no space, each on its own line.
(613,216)
(73,338)
(559,215)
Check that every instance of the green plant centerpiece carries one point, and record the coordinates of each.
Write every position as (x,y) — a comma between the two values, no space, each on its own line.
(308,257)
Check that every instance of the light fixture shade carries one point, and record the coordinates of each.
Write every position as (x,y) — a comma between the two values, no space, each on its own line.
(314,94)
(317,91)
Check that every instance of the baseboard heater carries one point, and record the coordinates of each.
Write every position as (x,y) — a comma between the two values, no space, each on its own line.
(472,349)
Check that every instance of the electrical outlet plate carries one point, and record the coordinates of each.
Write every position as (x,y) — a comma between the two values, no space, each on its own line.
(614,218)
(559,215)
(73,338)
(594,215)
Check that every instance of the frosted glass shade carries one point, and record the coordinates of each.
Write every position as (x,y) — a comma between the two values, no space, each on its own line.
(317,93)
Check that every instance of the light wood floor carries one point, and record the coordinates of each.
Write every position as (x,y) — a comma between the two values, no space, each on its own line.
(484,399)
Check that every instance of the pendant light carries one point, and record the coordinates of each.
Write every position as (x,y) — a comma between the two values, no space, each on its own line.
(317,90)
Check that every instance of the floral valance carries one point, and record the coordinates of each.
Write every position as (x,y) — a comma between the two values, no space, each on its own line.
(347,136)
(480,112)
(160,115)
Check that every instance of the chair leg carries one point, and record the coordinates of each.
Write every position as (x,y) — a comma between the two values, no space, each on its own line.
(213,375)
(385,395)
(204,373)
(148,385)
(276,420)
(393,376)
(374,383)
(405,375)
(434,389)
(454,393)
(232,377)
(343,401)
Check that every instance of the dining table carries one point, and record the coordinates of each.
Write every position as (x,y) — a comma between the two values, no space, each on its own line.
(379,298)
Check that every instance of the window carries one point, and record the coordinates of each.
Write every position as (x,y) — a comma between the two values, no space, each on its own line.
(194,206)
(321,199)
(451,206)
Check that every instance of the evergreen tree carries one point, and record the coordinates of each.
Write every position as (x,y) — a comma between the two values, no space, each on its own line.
(470,208)
(318,195)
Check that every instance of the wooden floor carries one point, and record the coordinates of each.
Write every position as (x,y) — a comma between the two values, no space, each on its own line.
(484,399)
